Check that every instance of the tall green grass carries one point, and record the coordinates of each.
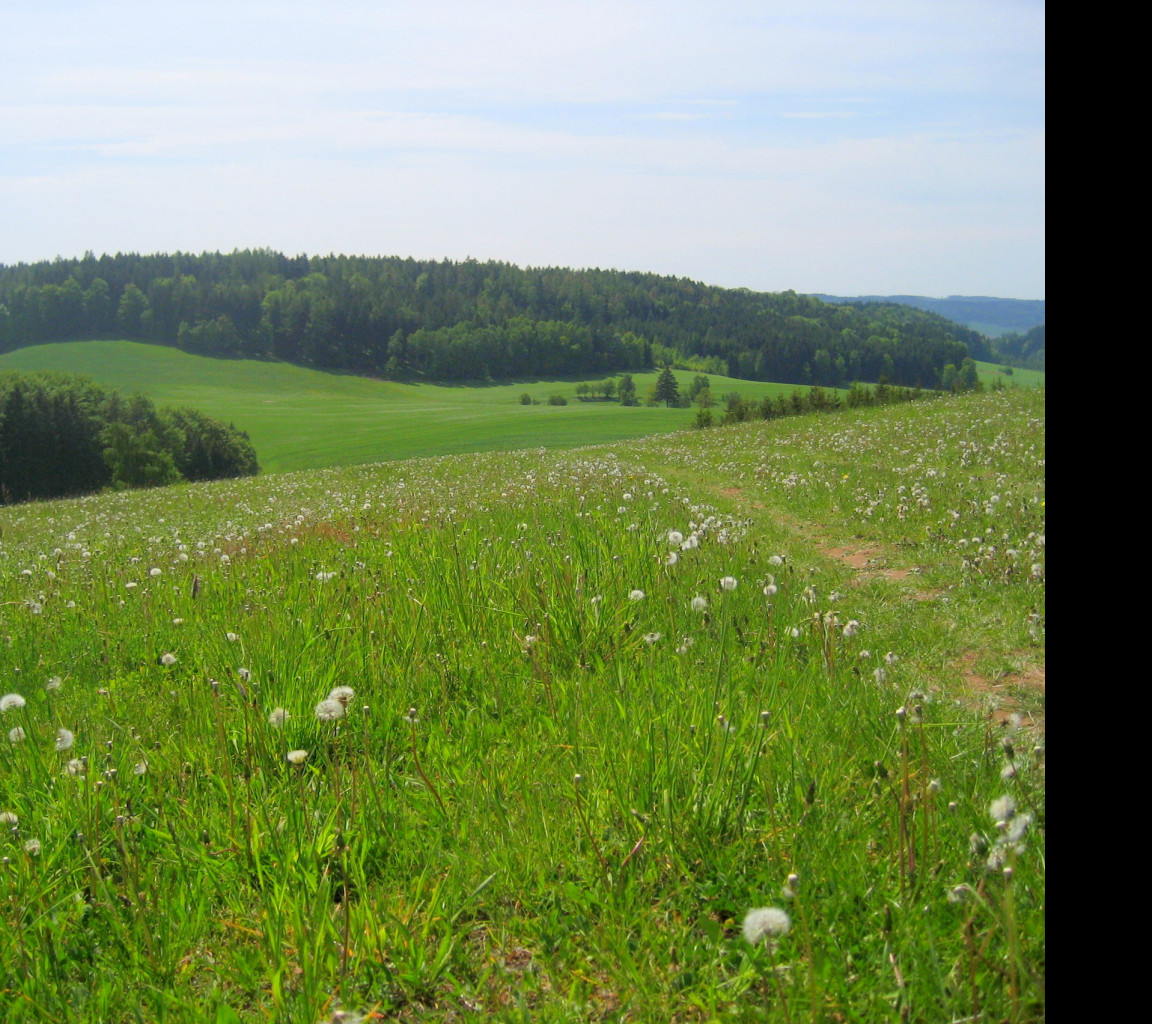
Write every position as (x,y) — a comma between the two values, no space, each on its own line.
(604,702)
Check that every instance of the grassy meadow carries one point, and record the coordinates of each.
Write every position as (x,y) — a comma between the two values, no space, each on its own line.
(306,419)
(527,735)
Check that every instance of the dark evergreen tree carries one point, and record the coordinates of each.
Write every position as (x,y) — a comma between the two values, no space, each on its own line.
(667,390)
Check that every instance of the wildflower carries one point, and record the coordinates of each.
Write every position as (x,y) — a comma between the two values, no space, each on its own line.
(296,756)
(167,660)
(11,700)
(636,595)
(1017,827)
(1002,809)
(64,739)
(277,717)
(15,735)
(329,710)
(765,923)
(342,693)
(699,604)
(728,583)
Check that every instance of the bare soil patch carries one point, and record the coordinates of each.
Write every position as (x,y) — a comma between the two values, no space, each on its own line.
(1009,691)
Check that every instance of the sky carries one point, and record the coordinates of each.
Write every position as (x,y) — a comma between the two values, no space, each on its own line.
(847,148)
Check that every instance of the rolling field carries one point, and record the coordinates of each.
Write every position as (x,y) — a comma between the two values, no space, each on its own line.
(305,419)
(744,724)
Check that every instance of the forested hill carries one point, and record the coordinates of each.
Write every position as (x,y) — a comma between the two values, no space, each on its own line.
(394,317)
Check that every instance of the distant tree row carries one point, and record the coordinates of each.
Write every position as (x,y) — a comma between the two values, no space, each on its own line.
(63,435)
(1025,350)
(394,317)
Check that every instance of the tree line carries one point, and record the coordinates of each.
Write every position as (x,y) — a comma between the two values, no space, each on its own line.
(396,318)
(63,435)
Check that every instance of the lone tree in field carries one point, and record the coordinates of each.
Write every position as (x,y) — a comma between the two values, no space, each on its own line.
(667,390)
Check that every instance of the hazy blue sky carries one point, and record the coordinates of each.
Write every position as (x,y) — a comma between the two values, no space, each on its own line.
(850,147)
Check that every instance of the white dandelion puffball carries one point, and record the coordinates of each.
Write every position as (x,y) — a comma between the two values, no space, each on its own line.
(728,583)
(636,595)
(277,717)
(296,756)
(64,739)
(32,847)
(342,693)
(15,735)
(765,923)
(53,684)
(699,604)
(675,537)
(167,660)
(329,710)
(1002,809)
(10,701)
(776,560)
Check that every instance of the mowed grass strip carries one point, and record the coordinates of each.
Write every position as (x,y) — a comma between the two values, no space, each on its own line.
(306,419)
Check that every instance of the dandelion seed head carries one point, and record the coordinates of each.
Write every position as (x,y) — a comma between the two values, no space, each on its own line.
(699,604)
(296,756)
(64,739)
(10,701)
(343,694)
(776,560)
(1002,808)
(8,818)
(651,638)
(32,847)
(53,684)
(277,717)
(675,537)
(728,583)
(329,710)
(167,659)
(636,595)
(765,923)
(231,637)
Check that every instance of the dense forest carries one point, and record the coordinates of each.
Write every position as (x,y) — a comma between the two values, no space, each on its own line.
(62,435)
(398,318)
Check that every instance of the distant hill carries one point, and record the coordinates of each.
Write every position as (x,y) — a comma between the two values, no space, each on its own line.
(989,316)
(419,320)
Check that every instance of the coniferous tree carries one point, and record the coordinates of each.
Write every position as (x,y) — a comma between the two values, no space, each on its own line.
(667,390)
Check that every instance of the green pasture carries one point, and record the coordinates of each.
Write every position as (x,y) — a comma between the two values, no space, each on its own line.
(994,373)
(306,419)
(740,724)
